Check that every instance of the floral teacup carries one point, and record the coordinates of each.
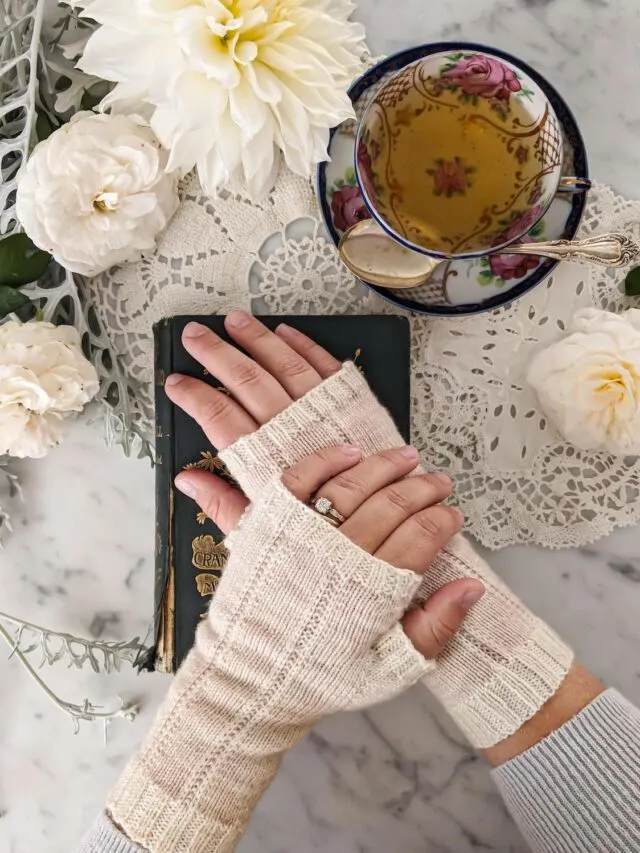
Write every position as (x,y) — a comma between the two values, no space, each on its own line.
(459,155)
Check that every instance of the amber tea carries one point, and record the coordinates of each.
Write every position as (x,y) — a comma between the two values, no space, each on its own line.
(458,154)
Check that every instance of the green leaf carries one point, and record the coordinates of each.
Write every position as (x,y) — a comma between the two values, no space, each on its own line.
(20,261)
(44,126)
(537,229)
(339,183)
(632,282)
(350,176)
(11,300)
(485,277)
(89,101)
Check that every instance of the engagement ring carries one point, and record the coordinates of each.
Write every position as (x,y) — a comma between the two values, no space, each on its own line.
(325,508)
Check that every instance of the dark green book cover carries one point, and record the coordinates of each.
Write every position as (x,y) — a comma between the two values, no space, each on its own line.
(190,556)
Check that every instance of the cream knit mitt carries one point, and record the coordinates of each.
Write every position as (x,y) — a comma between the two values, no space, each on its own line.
(304,623)
(504,663)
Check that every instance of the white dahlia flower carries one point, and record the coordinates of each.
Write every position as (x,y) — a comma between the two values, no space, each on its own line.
(229,82)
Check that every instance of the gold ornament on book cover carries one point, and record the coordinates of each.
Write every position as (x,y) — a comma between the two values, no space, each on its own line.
(209,556)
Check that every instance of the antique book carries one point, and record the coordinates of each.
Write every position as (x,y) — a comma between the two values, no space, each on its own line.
(190,554)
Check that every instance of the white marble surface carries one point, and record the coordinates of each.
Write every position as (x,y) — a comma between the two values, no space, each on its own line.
(398,778)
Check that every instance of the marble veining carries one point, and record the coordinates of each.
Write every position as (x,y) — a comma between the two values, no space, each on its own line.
(400,777)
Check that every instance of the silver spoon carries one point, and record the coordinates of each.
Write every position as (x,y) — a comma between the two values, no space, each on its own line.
(370,253)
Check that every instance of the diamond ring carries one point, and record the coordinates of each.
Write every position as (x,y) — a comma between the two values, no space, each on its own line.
(326,509)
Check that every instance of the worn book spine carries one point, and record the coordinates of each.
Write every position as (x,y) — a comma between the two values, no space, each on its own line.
(164,593)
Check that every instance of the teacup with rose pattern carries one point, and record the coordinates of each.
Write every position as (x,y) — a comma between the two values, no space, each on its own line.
(459,154)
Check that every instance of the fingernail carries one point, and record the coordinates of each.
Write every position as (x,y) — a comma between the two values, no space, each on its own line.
(471,596)
(194,330)
(286,331)
(185,485)
(457,512)
(444,478)
(237,319)
(174,379)
(409,452)
(351,450)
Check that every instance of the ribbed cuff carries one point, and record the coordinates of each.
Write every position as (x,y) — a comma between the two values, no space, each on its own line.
(578,790)
(516,691)
(104,837)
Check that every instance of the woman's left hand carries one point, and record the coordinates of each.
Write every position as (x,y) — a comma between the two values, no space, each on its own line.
(280,368)
(398,519)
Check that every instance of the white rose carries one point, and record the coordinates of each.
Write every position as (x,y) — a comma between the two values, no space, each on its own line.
(95,194)
(589,382)
(43,377)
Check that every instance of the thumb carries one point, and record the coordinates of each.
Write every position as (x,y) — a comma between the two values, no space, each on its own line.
(434,623)
(216,498)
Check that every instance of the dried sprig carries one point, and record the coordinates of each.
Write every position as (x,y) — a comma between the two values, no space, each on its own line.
(36,96)
(20,29)
(25,639)
(62,298)
(10,489)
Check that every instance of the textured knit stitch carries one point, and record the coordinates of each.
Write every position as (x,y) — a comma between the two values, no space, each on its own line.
(578,790)
(342,409)
(505,663)
(304,623)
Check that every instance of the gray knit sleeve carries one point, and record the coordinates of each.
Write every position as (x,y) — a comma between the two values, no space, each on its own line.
(103,837)
(578,790)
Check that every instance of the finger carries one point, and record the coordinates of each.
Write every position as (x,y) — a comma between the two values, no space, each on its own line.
(257,391)
(223,503)
(305,478)
(431,626)
(221,418)
(350,489)
(292,371)
(416,542)
(318,358)
(382,515)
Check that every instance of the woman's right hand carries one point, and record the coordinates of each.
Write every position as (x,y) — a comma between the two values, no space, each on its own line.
(398,519)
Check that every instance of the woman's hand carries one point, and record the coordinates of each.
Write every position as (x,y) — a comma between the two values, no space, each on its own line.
(284,366)
(398,520)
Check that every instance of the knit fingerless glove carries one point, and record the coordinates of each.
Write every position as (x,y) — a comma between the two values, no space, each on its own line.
(504,663)
(341,410)
(304,623)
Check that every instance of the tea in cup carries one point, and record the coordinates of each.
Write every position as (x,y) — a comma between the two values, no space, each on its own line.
(459,155)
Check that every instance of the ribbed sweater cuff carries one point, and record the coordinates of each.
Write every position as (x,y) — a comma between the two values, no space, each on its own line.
(104,837)
(578,790)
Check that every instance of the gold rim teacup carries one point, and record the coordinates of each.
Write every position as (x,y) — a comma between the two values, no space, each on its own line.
(514,111)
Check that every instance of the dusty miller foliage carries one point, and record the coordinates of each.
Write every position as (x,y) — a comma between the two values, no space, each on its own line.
(39,90)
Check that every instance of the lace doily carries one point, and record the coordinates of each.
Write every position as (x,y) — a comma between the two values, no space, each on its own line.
(473,413)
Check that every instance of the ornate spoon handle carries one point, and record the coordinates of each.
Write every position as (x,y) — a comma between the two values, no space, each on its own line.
(607,250)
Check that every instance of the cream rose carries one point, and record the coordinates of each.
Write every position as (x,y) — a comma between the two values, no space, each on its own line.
(95,193)
(43,377)
(589,382)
